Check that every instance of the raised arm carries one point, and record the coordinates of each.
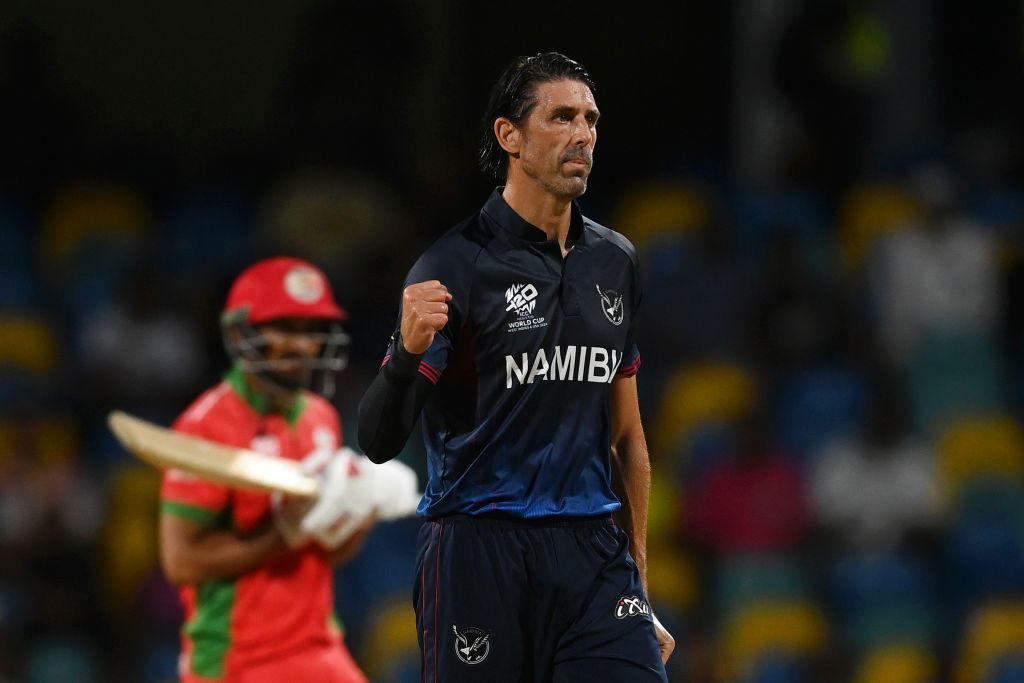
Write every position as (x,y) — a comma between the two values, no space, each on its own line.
(394,400)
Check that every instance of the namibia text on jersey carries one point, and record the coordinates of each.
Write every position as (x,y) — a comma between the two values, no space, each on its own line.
(570,364)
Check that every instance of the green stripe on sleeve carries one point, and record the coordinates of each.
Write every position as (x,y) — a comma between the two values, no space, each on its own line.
(196,514)
(210,628)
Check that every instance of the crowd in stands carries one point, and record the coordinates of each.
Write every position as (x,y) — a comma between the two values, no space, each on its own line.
(832,391)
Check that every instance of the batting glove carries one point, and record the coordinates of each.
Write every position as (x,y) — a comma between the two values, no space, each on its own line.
(346,499)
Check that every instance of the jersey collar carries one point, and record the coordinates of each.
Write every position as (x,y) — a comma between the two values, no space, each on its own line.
(498,210)
(257,401)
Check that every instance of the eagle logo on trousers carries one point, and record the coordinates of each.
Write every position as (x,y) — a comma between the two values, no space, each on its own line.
(472,645)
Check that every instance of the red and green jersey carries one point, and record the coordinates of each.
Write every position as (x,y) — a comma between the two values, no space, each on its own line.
(286,606)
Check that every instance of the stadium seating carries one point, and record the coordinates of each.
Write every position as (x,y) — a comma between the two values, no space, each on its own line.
(953,374)
(984,549)
(390,650)
(648,211)
(866,213)
(794,629)
(206,234)
(972,446)
(127,543)
(817,405)
(701,393)
(897,663)
(760,217)
(993,637)
(85,221)
(748,579)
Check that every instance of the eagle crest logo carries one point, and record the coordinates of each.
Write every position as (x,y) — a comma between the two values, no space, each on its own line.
(472,645)
(611,304)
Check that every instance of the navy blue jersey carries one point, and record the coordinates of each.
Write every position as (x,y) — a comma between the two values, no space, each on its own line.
(519,419)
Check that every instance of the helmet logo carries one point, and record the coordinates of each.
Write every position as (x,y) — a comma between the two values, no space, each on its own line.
(304,284)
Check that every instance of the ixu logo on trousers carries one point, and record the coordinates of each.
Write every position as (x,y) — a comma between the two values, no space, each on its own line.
(631,606)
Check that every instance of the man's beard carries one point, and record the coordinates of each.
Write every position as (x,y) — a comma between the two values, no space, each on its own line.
(569,187)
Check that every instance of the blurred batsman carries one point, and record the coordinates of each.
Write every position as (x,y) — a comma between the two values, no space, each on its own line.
(255,570)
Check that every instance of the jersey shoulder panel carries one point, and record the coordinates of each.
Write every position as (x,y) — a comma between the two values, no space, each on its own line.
(612,237)
(219,414)
(321,413)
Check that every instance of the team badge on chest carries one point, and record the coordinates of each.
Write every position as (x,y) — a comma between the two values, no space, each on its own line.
(611,304)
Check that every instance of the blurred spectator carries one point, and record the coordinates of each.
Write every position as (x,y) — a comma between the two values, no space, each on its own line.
(139,351)
(50,512)
(752,499)
(938,275)
(872,489)
(798,317)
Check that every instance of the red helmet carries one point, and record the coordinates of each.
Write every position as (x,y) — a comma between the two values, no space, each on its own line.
(281,287)
(285,287)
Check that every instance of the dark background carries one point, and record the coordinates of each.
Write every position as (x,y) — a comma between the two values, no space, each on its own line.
(757,152)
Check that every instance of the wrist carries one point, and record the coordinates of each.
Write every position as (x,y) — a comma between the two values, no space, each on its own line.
(403,363)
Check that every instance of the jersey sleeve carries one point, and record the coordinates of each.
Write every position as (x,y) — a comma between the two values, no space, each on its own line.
(186,495)
(631,350)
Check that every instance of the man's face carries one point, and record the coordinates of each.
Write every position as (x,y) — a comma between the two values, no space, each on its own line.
(290,344)
(558,137)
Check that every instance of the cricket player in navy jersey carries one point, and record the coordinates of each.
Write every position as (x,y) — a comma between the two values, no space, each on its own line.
(516,342)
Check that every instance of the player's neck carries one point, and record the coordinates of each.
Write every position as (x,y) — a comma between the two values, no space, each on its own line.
(272,399)
(549,212)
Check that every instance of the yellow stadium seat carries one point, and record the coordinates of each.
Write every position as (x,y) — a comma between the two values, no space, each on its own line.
(671,574)
(970,447)
(84,210)
(791,627)
(992,630)
(665,507)
(390,644)
(648,211)
(899,663)
(56,439)
(701,392)
(29,344)
(10,442)
(866,213)
(128,540)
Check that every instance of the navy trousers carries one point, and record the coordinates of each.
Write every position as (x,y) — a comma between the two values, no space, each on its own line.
(522,601)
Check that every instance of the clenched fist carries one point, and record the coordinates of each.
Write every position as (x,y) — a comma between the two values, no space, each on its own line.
(424,313)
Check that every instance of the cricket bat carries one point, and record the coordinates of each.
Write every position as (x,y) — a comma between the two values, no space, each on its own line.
(229,465)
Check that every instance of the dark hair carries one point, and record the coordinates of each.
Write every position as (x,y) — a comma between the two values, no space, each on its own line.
(514,95)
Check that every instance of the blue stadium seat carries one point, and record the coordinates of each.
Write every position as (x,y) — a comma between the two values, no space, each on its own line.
(860,581)
(778,667)
(762,217)
(818,405)
(20,290)
(985,554)
(1008,668)
(16,242)
(206,234)
(1000,208)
